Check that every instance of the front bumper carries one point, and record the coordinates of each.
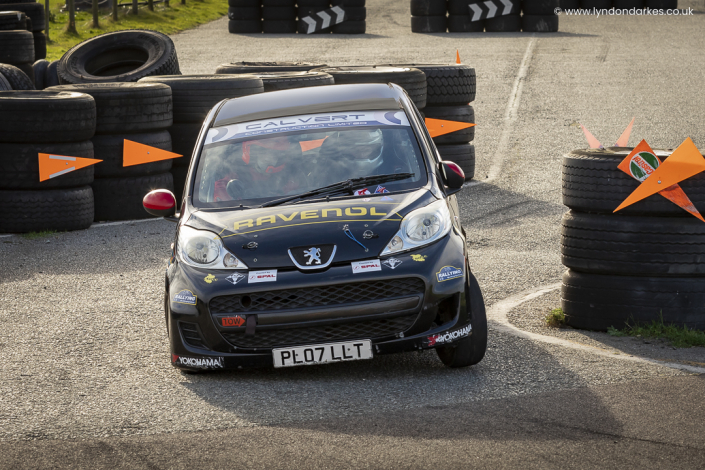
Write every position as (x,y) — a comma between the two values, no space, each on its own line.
(437,315)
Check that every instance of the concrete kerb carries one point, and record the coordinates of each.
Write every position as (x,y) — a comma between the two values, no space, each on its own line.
(498,315)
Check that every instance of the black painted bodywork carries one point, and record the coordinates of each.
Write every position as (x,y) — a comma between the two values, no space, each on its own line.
(263,241)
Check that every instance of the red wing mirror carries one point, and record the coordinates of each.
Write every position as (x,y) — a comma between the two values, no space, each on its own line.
(160,203)
(452,175)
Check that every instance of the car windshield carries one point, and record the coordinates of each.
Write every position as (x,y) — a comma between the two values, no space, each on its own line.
(254,162)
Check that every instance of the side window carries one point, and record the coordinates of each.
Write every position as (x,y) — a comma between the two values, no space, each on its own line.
(422,125)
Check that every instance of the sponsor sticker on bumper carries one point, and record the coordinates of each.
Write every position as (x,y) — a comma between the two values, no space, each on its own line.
(198,362)
(449,272)
(366,266)
(185,297)
(449,336)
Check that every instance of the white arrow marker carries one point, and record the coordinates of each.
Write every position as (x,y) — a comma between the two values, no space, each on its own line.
(340,14)
(477,11)
(492,9)
(507,7)
(311,24)
(326,19)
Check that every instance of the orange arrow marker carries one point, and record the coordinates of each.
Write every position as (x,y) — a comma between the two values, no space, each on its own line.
(624,138)
(134,153)
(642,162)
(438,127)
(684,162)
(51,166)
(592,141)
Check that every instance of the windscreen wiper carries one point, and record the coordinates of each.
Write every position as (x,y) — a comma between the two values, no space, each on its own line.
(341,187)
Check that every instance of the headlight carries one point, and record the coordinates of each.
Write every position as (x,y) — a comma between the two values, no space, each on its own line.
(204,249)
(420,227)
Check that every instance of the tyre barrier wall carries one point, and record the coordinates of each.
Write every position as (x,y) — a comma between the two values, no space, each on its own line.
(619,4)
(287,16)
(33,122)
(167,111)
(644,263)
(449,90)
(476,16)
(22,40)
(133,111)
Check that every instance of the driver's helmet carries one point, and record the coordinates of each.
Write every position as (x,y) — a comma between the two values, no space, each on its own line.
(363,147)
(266,155)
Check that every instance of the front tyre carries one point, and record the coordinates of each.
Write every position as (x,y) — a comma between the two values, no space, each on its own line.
(469,351)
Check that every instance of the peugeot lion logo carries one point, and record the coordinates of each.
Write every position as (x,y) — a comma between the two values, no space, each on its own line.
(312,257)
(314,254)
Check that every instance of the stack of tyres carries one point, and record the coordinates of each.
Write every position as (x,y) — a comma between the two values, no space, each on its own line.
(36,21)
(474,16)
(459,19)
(193,97)
(450,89)
(34,122)
(16,44)
(245,16)
(539,16)
(429,16)
(642,264)
(355,17)
(279,16)
(137,112)
(285,16)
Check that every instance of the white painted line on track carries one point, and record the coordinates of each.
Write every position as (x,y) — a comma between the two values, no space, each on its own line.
(498,313)
(510,116)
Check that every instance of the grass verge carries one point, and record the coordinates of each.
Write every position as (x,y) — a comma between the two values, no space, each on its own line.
(679,336)
(168,20)
(35,235)
(555,319)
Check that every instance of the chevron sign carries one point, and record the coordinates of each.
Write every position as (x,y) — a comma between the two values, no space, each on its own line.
(323,19)
(489,9)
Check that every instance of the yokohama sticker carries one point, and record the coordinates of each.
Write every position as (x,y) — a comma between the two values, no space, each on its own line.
(270,275)
(185,297)
(198,362)
(449,272)
(365,266)
(449,337)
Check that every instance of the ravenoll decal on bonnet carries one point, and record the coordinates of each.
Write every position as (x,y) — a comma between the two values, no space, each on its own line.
(449,272)
(306,122)
(198,362)
(316,216)
(185,297)
(449,336)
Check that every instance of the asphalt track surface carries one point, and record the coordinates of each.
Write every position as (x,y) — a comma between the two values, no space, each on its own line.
(85,378)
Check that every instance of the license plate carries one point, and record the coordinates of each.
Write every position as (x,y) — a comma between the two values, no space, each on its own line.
(322,353)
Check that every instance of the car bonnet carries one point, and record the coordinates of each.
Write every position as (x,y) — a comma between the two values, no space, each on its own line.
(359,228)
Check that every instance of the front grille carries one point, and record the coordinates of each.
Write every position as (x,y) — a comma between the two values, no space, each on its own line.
(319,296)
(192,335)
(370,329)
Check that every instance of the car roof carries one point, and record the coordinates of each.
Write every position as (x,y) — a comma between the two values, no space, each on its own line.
(311,100)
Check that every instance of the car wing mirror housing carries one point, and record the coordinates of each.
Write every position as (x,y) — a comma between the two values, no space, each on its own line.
(160,203)
(452,176)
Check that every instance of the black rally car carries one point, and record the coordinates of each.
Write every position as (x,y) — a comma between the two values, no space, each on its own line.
(318,225)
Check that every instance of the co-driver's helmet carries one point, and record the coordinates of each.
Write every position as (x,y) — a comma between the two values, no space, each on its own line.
(363,147)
